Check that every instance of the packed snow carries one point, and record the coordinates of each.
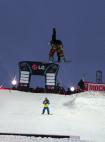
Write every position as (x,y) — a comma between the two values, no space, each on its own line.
(80,116)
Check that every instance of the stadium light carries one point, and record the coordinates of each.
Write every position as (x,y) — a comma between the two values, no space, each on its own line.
(14,83)
(72,88)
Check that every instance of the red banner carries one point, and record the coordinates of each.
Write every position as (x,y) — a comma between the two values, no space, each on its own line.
(94,87)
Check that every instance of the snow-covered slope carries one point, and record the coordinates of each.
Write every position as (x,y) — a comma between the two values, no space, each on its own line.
(76,115)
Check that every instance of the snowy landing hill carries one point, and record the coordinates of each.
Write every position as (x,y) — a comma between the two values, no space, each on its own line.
(81,114)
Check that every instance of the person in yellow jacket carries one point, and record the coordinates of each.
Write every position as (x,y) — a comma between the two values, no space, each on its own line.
(46,106)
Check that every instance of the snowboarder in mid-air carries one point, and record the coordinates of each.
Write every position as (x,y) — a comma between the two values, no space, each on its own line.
(56,47)
(46,106)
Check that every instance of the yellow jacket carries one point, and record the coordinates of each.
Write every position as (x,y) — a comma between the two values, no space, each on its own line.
(46,103)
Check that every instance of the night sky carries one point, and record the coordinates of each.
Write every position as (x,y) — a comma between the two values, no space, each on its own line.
(26,28)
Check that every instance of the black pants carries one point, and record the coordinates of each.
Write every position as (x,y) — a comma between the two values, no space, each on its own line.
(44,109)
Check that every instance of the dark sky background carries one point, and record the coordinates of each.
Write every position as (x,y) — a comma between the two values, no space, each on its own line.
(26,28)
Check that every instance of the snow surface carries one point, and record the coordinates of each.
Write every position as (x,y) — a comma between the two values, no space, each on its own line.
(79,115)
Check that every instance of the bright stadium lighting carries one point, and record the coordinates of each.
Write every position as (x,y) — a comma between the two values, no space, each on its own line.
(14,82)
(72,88)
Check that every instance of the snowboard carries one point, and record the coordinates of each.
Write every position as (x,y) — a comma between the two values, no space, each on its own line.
(65,61)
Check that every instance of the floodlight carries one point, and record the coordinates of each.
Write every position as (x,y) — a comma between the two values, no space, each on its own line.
(72,88)
(14,82)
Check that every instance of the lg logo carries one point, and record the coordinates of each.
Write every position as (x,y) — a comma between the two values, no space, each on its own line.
(38,67)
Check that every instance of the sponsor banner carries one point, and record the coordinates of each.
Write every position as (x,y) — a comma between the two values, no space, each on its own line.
(29,68)
(94,87)
(38,68)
